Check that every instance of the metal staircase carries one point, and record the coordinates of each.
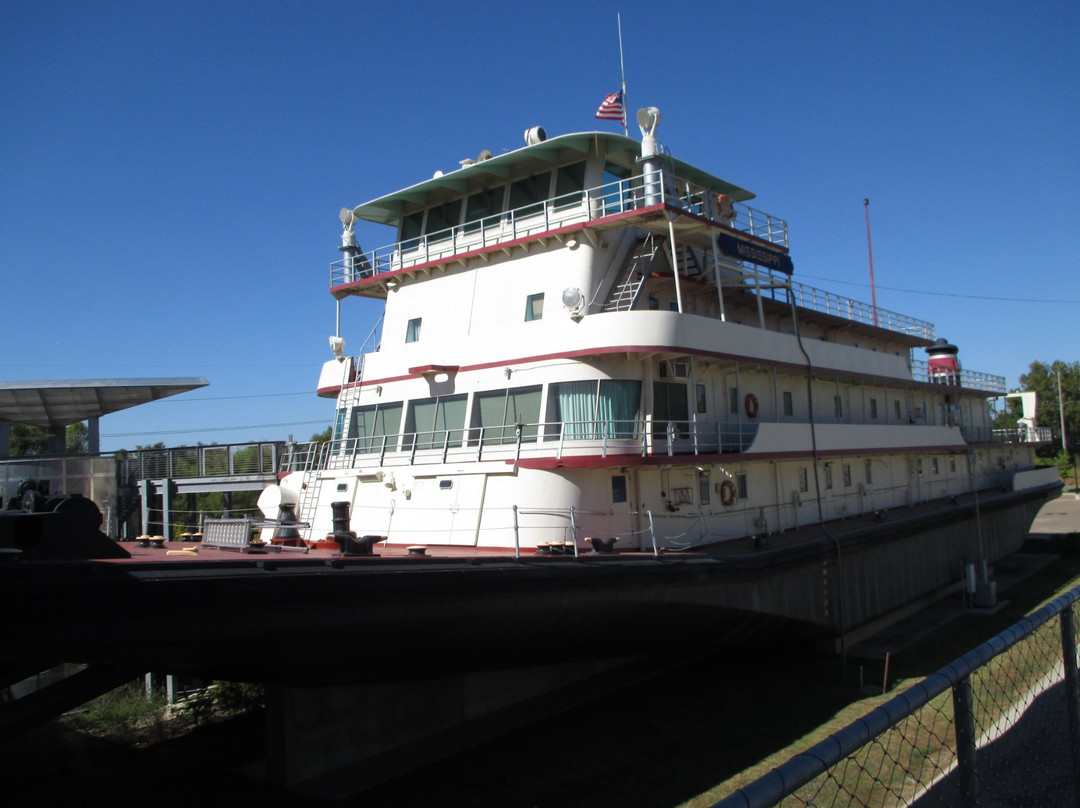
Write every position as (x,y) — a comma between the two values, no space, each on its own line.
(625,293)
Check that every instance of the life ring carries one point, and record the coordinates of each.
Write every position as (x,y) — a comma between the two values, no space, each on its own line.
(751,405)
(727,208)
(727,493)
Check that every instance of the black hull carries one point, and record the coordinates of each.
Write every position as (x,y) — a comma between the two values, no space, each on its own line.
(299,620)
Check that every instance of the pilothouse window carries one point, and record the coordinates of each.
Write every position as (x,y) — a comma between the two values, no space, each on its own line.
(570,185)
(527,196)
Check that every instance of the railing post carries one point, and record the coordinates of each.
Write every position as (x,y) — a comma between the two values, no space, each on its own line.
(573,529)
(1072,694)
(652,532)
(517,540)
(964,720)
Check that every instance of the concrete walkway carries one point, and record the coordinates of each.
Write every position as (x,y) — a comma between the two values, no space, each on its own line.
(1058,519)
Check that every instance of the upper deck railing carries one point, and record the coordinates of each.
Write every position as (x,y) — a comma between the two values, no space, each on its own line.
(623,196)
(578,207)
(971,379)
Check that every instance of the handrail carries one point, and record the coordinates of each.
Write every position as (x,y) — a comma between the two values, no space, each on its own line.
(920,372)
(621,196)
(213,460)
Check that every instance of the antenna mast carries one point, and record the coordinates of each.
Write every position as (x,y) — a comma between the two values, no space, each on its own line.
(870,250)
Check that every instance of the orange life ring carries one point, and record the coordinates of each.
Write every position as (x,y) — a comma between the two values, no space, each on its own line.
(727,208)
(727,493)
(751,405)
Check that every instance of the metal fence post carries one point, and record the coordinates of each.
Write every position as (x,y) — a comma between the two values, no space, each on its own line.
(965,743)
(1072,694)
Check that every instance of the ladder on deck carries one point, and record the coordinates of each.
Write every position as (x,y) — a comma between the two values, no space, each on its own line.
(319,461)
(625,293)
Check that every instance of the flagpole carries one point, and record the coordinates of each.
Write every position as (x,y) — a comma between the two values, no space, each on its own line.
(622,68)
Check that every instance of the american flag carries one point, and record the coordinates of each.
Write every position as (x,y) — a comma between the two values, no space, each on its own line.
(612,108)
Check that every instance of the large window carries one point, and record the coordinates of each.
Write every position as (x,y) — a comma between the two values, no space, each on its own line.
(435,422)
(527,196)
(616,196)
(411,228)
(569,184)
(498,412)
(591,410)
(441,217)
(482,204)
(375,425)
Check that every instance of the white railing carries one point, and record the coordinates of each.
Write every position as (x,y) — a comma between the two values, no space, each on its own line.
(513,442)
(1024,434)
(974,380)
(623,196)
(857,311)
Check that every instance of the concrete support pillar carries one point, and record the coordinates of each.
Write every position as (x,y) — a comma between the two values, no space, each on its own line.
(93,435)
(336,740)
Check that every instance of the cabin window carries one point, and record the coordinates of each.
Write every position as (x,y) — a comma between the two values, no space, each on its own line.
(570,185)
(616,192)
(670,405)
(742,486)
(873,408)
(618,488)
(436,422)
(411,229)
(934,465)
(527,196)
(952,464)
(869,472)
(481,205)
(733,400)
(496,414)
(789,404)
(896,409)
(590,410)
(703,488)
(371,426)
(828,476)
(534,307)
(699,392)
(442,217)
(804,481)
(412,331)
(847,475)
(654,303)
(339,423)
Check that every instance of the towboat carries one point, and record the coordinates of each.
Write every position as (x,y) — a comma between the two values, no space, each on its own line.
(588,345)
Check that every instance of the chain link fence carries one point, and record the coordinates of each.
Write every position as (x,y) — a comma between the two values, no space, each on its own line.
(1000,726)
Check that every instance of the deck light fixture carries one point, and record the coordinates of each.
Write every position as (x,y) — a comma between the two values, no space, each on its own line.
(573,301)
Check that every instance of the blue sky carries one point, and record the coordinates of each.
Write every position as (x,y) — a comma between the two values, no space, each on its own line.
(171,172)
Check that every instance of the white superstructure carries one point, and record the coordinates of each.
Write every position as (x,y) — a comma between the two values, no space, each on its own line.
(585,338)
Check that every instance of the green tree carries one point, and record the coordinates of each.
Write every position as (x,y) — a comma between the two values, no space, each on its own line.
(33,441)
(1042,378)
(324,436)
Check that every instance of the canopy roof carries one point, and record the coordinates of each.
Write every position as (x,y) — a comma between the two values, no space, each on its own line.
(389,208)
(59,403)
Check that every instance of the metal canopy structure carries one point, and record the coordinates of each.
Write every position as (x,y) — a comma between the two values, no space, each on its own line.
(60,403)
